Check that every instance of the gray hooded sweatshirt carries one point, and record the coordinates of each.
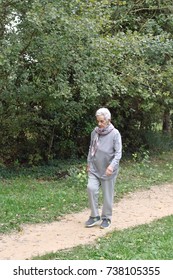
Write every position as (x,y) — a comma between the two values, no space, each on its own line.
(105,149)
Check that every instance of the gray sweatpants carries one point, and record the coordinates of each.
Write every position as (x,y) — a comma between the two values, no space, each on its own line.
(93,186)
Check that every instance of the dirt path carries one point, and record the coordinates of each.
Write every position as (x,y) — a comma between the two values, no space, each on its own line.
(134,209)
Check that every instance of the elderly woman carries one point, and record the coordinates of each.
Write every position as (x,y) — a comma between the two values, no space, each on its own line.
(105,152)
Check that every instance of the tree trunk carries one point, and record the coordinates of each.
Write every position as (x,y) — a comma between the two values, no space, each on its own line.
(166,126)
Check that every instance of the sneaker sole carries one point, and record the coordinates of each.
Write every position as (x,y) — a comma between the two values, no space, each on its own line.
(94,224)
(105,227)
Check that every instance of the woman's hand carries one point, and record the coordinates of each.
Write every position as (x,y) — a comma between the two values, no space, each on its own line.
(109,170)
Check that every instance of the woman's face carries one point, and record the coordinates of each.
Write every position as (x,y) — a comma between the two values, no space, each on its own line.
(102,123)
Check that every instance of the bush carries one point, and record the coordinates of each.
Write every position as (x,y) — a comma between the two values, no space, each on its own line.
(158,141)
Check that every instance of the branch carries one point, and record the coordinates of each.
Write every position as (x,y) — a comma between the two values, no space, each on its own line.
(28,44)
(154,9)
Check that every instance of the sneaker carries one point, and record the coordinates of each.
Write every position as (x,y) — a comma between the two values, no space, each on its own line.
(92,221)
(106,223)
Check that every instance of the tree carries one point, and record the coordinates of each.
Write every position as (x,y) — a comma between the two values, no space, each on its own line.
(61,60)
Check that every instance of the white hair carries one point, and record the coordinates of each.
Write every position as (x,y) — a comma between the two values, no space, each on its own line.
(104,112)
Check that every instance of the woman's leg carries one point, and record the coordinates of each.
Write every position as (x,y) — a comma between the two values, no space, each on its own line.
(108,197)
(93,193)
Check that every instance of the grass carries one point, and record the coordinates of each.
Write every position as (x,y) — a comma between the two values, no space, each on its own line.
(30,199)
(147,242)
(45,193)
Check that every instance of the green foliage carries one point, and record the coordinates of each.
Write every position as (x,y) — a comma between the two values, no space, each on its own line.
(61,60)
(158,142)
